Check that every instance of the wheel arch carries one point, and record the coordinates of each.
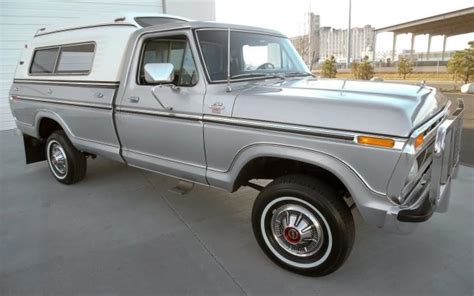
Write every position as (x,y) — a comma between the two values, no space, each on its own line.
(371,204)
(51,120)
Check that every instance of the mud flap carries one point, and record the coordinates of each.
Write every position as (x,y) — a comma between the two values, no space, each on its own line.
(34,149)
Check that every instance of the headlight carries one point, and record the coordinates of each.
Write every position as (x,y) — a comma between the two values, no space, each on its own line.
(413,172)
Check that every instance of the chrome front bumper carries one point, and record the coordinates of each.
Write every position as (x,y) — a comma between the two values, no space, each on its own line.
(434,189)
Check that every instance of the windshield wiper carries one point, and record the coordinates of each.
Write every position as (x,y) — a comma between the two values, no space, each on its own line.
(295,74)
(258,75)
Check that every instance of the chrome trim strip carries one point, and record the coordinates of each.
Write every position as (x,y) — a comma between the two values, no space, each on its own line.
(162,158)
(62,102)
(314,131)
(281,127)
(159,113)
(68,82)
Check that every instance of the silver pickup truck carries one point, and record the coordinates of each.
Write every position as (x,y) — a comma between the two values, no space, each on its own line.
(225,105)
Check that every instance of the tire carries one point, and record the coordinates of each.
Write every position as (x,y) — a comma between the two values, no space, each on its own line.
(67,164)
(322,239)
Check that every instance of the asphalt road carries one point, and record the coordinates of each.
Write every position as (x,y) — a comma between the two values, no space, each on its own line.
(121,232)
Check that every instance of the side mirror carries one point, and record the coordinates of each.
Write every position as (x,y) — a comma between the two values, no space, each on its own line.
(159,73)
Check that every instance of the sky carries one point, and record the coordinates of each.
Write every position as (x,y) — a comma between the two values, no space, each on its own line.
(289,17)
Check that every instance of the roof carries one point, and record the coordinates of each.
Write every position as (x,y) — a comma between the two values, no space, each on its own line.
(210,25)
(127,19)
(449,24)
(131,20)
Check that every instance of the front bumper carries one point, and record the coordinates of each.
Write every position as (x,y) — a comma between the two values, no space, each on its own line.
(433,192)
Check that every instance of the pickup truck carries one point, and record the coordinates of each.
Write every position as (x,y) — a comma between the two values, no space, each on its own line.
(227,105)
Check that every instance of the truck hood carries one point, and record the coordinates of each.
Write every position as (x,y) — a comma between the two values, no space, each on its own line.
(360,106)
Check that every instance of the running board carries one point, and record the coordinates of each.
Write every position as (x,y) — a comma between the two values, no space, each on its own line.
(183,187)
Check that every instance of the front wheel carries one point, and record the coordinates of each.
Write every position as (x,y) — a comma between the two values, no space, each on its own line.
(302,225)
(67,164)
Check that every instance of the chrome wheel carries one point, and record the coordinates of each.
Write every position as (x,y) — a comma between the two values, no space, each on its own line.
(57,159)
(296,230)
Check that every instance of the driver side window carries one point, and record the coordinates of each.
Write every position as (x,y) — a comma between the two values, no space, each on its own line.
(174,50)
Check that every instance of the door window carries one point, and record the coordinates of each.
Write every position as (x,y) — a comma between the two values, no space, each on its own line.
(173,50)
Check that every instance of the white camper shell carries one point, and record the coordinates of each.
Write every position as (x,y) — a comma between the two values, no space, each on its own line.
(107,37)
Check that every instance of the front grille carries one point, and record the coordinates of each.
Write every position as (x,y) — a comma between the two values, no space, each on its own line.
(426,154)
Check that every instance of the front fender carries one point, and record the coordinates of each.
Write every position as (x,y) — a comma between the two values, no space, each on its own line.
(372,205)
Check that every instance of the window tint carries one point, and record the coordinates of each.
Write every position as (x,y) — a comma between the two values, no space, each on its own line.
(76,59)
(214,50)
(173,50)
(188,71)
(251,55)
(44,61)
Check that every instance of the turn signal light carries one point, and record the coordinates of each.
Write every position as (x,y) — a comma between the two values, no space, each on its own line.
(374,141)
(419,140)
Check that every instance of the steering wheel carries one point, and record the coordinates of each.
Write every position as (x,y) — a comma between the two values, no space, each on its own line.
(266,66)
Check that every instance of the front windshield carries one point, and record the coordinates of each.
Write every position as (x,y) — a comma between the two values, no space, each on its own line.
(252,55)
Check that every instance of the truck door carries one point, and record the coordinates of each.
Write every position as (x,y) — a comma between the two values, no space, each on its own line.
(160,126)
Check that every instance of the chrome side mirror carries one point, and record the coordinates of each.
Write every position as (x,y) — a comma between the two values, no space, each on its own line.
(159,73)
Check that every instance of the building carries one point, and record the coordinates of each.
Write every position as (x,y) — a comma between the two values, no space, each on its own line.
(447,24)
(432,56)
(21,19)
(333,42)
(323,42)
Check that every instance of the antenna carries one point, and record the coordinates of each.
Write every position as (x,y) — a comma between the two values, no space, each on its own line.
(229,89)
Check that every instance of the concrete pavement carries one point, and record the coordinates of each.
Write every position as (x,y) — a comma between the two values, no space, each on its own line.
(120,232)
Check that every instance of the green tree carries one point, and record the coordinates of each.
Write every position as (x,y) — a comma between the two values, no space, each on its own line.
(405,67)
(355,70)
(328,69)
(363,70)
(461,65)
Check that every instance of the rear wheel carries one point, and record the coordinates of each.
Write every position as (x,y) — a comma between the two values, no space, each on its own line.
(67,164)
(302,225)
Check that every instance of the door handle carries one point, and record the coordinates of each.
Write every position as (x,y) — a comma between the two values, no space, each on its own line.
(134,99)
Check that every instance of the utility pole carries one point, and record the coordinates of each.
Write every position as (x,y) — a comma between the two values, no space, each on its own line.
(309,36)
(349,37)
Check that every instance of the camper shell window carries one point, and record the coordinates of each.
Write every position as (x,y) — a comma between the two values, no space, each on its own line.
(74,59)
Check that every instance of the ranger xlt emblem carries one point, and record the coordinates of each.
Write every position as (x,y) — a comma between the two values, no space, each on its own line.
(217,107)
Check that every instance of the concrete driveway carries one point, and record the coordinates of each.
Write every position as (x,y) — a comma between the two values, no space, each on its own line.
(120,232)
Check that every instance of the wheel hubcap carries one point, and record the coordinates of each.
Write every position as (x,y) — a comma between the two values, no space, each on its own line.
(297,230)
(57,159)
(292,235)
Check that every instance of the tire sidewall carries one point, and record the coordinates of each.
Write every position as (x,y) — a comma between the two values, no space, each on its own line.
(67,147)
(324,209)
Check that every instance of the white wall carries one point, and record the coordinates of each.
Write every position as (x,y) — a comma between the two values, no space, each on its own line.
(200,10)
